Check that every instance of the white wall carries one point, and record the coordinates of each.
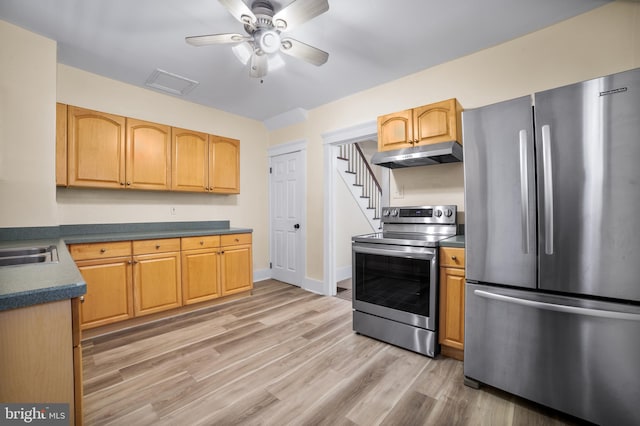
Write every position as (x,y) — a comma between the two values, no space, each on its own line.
(351,221)
(27,128)
(599,42)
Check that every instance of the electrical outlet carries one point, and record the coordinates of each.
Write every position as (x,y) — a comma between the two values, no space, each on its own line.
(399,192)
(172,211)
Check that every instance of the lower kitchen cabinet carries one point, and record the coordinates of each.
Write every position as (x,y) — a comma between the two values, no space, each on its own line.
(236,263)
(452,284)
(131,279)
(156,276)
(223,266)
(106,268)
(37,356)
(200,268)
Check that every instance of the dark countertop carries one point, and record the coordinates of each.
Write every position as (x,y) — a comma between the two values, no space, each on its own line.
(455,241)
(26,285)
(32,284)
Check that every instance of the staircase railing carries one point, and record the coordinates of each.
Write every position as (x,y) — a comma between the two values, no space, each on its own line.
(358,165)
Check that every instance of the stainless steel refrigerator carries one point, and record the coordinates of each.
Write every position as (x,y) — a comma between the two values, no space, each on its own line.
(552,212)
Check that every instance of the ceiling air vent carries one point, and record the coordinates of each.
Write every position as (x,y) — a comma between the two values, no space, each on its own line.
(170,83)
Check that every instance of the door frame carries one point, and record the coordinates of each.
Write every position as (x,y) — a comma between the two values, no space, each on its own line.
(290,148)
(331,140)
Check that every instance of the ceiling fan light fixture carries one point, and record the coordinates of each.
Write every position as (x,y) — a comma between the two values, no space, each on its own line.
(243,52)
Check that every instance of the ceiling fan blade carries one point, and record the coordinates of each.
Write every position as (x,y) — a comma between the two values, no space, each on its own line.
(303,51)
(258,66)
(205,40)
(299,12)
(240,11)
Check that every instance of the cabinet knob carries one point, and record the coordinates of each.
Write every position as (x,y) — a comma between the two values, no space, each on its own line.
(157,246)
(237,240)
(128,183)
(122,183)
(201,242)
(81,299)
(103,250)
(454,258)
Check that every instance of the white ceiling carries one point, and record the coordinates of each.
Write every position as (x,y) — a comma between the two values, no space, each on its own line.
(370,42)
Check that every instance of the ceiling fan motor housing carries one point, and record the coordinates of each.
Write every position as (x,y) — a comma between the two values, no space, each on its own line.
(266,37)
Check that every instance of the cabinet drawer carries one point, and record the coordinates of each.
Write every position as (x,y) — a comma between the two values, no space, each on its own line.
(452,257)
(206,241)
(100,250)
(235,239)
(156,246)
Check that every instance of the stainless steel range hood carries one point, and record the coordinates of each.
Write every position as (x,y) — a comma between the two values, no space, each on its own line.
(425,155)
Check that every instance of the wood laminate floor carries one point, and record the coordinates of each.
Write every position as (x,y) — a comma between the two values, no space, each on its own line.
(280,357)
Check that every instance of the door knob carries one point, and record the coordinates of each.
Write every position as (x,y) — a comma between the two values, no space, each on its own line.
(296,226)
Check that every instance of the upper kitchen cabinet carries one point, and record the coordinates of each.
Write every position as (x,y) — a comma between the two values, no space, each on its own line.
(110,151)
(148,155)
(100,150)
(61,144)
(190,160)
(96,148)
(224,158)
(428,124)
(205,163)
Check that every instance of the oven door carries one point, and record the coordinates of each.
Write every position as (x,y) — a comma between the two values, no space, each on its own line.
(396,282)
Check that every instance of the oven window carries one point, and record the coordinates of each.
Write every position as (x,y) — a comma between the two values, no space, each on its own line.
(394,282)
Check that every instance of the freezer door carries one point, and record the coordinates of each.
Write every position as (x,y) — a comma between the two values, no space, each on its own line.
(578,356)
(588,152)
(500,204)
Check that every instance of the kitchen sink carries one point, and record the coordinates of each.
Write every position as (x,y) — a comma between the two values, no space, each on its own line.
(28,255)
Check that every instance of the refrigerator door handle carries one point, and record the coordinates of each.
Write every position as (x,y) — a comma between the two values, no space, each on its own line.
(524,191)
(558,308)
(548,189)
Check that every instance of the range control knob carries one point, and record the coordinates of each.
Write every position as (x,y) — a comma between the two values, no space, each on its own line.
(438,213)
(394,212)
(385,212)
(448,212)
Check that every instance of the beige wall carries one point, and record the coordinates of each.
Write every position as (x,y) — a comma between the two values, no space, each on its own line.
(30,85)
(27,125)
(600,42)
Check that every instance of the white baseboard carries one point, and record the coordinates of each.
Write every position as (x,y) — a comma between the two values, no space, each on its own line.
(343,272)
(313,286)
(261,274)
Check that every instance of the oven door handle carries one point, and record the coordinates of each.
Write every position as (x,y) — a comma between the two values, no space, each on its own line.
(395,253)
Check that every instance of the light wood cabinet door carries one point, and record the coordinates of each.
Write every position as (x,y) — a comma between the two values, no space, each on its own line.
(237,269)
(36,356)
(395,130)
(428,124)
(224,161)
(156,282)
(190,160)
(61,144)
(200,272)
(452,307)
(109,296)
(95,148)
(438,122)
(148,159)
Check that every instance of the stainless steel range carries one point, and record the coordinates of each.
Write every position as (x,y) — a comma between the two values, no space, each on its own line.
(395,276)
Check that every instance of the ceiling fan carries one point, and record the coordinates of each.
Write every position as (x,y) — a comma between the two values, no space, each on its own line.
(264,29)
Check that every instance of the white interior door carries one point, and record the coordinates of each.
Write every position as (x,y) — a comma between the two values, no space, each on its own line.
(287,230)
